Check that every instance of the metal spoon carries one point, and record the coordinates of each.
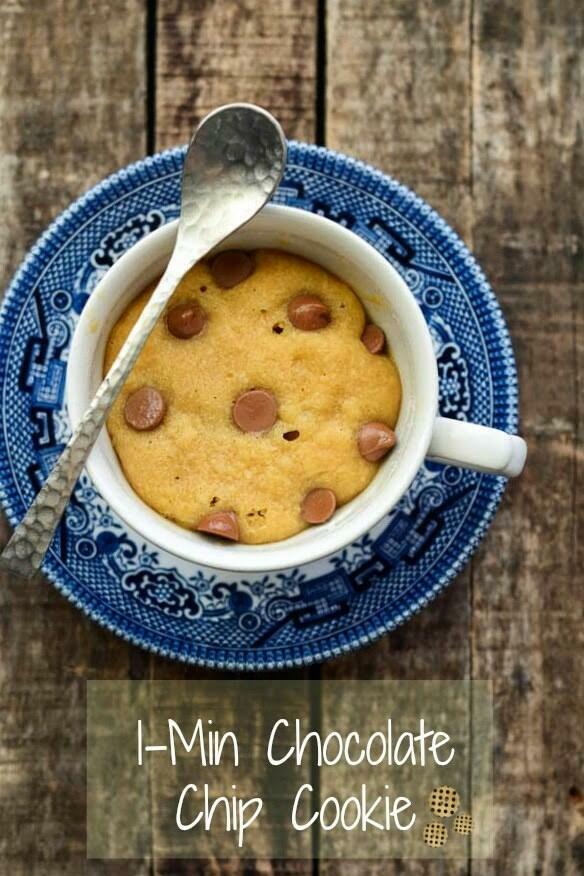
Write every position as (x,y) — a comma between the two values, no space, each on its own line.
(233,165)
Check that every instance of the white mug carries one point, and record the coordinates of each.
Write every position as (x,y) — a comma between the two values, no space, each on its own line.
(420,431)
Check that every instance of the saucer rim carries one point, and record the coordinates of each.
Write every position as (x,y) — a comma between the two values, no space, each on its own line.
(51,240)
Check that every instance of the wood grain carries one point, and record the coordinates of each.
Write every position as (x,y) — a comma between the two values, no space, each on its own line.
(398,96)
(528,83)
(210,53)
(68,118)
(510,173)
(528,153)
(527,621)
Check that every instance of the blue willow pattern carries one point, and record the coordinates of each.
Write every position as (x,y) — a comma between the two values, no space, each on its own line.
(303,614)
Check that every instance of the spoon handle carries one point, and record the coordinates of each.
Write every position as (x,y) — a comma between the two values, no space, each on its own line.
(31,538)
(233,165)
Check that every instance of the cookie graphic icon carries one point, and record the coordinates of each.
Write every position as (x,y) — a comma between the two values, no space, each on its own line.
(435,835)
(463,823)
(444,801)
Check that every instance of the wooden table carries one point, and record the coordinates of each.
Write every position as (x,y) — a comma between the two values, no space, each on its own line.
(477,105)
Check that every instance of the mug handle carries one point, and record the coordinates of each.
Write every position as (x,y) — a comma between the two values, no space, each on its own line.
(478,447)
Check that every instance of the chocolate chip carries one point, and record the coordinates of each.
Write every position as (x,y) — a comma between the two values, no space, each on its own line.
(373,338)
(308,312)
(292,435)
(186,320)
(277,329)
(231,267)
(221,523)
(318,505)
(255,410)
(144,409)
(375,440)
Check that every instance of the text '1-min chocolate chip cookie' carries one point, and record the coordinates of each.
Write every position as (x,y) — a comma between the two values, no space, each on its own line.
(263,401)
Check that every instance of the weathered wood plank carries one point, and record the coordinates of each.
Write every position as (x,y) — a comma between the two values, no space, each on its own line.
(69,116)
(208,54)
(527,167)
(433,645)
(528,76)
(399,96)
(527,616)
(215,52)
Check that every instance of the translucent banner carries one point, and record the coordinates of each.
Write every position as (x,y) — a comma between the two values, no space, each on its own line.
(289,769)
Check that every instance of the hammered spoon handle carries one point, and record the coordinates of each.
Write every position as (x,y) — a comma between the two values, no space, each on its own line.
(233,165)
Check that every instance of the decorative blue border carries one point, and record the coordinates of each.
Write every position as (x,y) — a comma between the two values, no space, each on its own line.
(411,209)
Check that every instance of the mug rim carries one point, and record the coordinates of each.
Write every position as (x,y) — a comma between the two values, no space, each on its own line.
(327,538)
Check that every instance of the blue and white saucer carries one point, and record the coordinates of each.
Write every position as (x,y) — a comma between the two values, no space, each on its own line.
(305,614)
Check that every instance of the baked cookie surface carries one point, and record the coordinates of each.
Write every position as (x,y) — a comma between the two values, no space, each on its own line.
(196,460)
